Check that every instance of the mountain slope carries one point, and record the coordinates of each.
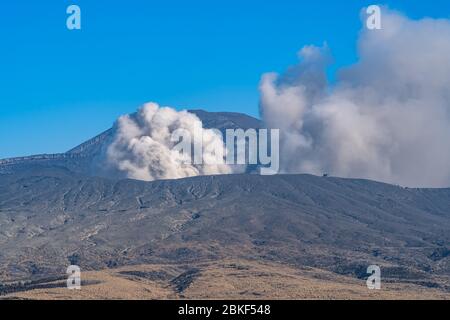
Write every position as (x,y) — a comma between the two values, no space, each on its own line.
(56,211)
(50,217)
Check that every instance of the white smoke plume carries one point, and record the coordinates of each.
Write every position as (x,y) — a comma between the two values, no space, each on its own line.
(143,149)
(387,117)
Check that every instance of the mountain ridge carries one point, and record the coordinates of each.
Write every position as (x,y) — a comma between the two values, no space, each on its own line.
(82,157)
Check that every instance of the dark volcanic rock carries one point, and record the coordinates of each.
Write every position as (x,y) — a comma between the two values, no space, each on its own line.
(184,280)
(62,217)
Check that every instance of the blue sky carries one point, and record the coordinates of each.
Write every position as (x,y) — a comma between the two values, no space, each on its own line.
(61,87)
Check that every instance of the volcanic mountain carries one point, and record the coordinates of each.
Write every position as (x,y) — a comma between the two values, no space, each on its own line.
(55,211)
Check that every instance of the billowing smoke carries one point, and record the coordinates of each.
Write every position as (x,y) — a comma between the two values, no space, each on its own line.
(387,117)
(143,147)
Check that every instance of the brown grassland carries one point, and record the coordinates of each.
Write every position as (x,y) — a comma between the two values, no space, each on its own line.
(227,279)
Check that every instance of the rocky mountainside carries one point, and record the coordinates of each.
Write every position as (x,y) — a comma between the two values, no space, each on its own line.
(52,217)
(56,211)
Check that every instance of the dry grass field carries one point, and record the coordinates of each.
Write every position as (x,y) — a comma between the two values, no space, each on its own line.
(233,279)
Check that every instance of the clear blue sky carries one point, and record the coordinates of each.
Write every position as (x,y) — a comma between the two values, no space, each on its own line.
(60,87)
